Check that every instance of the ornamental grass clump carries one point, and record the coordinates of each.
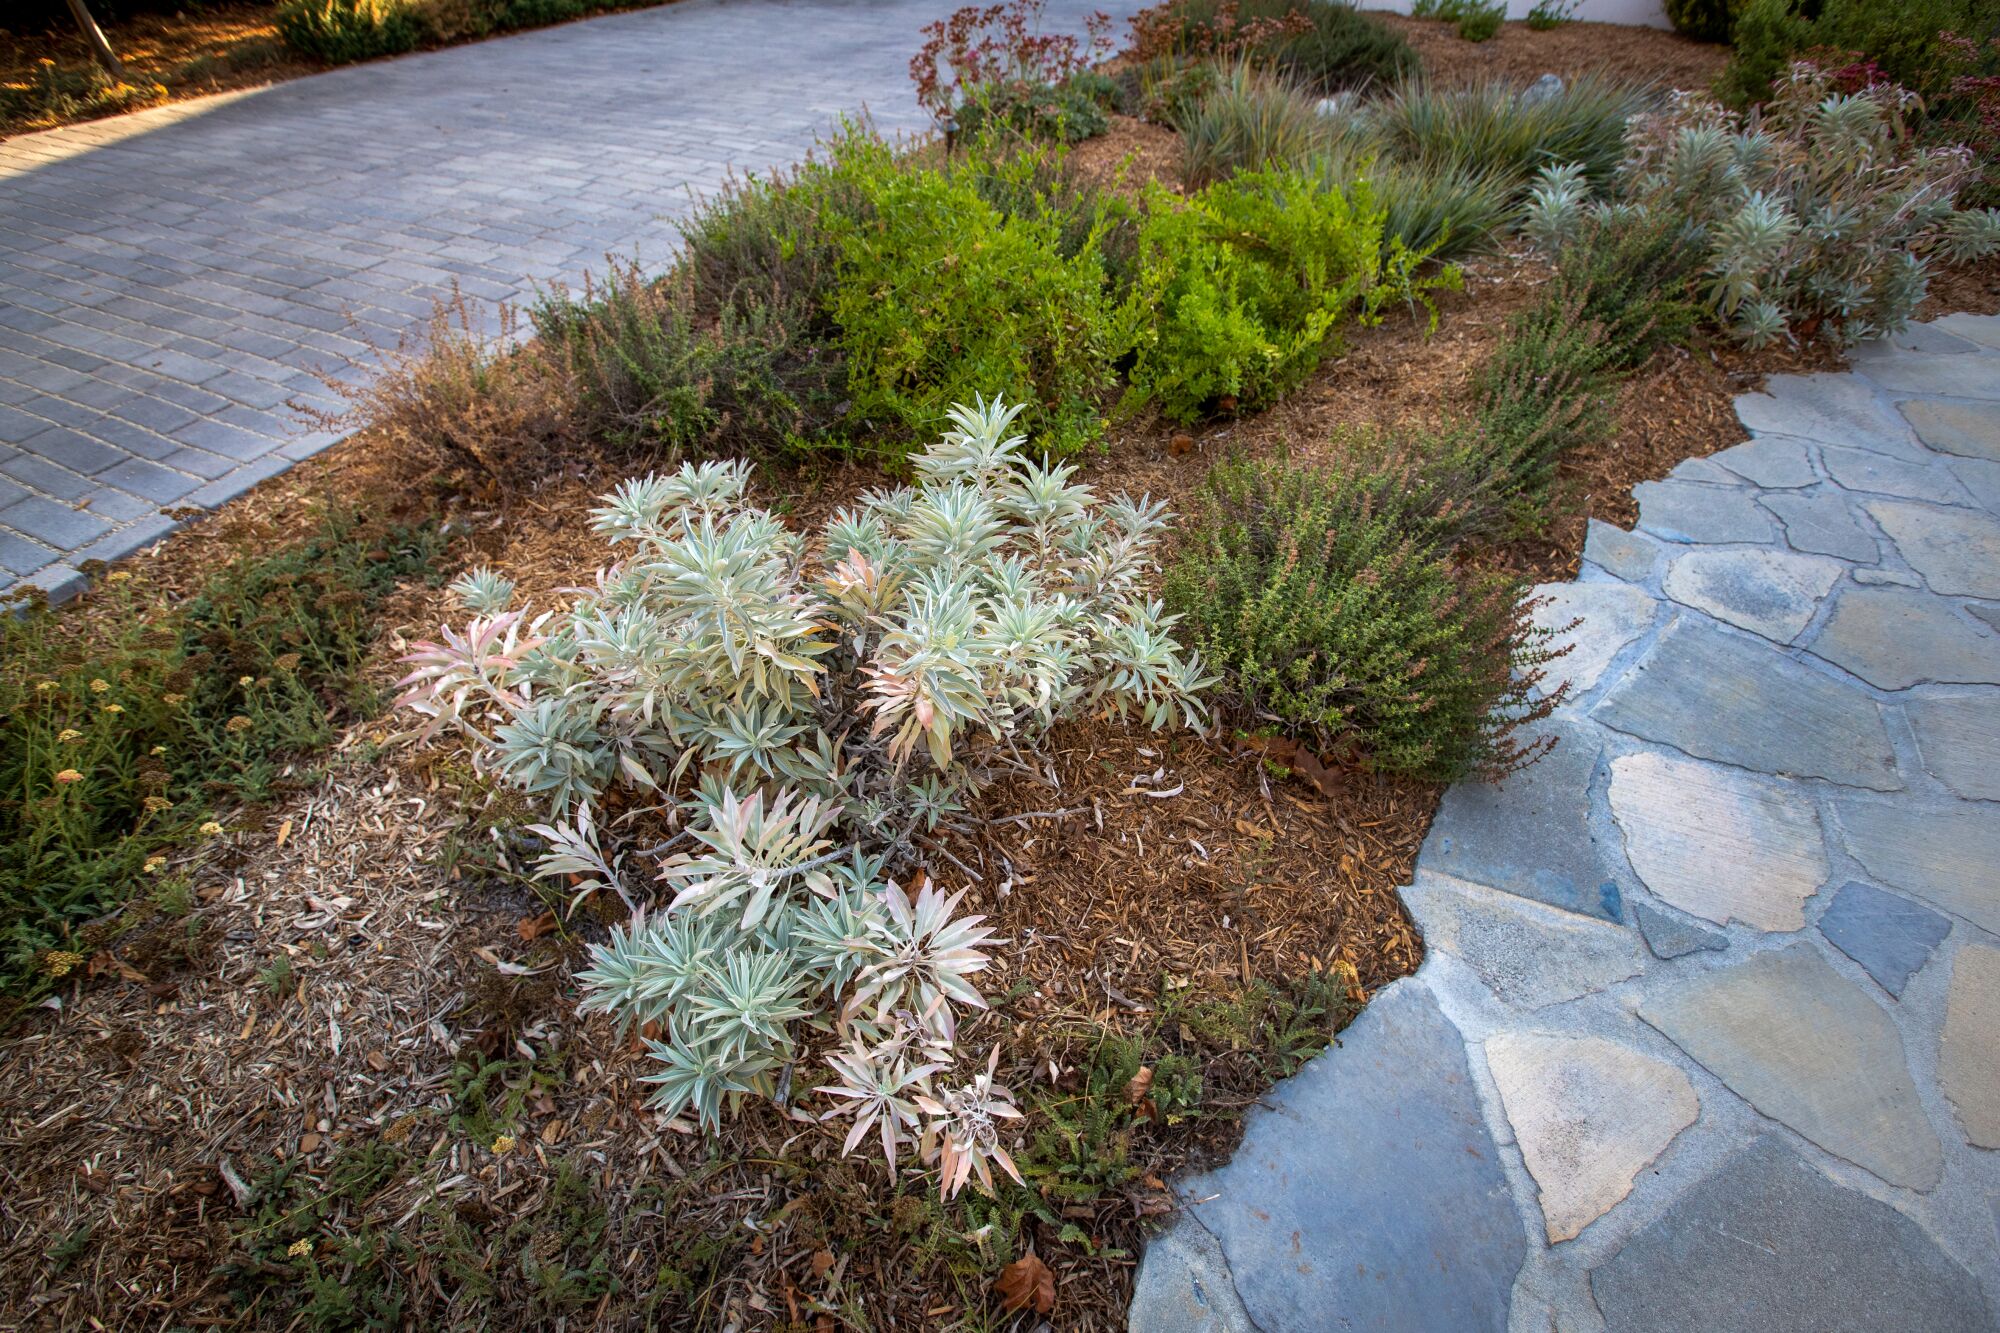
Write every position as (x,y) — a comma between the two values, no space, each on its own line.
(1817,216)
(807,713)
(1330,604)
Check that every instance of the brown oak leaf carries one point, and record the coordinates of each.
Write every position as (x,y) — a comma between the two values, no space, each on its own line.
(1027,1282)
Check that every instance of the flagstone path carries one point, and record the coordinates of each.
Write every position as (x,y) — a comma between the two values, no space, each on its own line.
(170,280)
(1708,1034)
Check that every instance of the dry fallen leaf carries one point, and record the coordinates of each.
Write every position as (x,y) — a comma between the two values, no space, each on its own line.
(532,928)
(1027,1282)
(1141,1084)
(822,1262)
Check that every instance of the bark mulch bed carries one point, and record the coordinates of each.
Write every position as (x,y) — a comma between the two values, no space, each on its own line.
(1519,54)
(198,1134)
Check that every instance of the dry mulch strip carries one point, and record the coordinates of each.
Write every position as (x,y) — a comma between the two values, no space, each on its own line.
(138,1112)
(1519,54)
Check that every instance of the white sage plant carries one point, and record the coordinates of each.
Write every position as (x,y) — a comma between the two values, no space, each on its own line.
(1819,213)
(782,725)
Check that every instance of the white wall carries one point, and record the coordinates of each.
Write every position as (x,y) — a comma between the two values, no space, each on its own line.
(1650,13)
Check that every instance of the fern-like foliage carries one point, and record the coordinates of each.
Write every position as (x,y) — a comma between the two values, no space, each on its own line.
(1817,215)
(808,710)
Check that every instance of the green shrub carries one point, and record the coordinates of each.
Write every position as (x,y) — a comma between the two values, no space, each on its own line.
(1481,22)
(1622,292)
(1322,46)
(1901,39)
(1249,122)
(651,375)
(1343,47)
(121,734)
(1477,20)
(341,31)
(1548,14)
(1703,20)
(1816,218)
(1490,129)
(1076,109)
(1330,604)
(942,297)
(763,235)
(1253,279)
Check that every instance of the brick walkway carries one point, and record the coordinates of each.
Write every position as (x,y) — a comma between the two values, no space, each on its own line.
(170,280)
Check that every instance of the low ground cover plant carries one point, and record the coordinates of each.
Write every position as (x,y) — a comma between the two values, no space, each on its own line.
(808,714)
(1816,217)
(123,741)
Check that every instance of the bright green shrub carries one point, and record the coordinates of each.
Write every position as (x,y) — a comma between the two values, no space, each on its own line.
(340,31)
(1253,278)
(1328,601)
(1818,218)
(941,296)
(122,736)
(1703,20)
(1491,129)
(1249,122)
(653,374)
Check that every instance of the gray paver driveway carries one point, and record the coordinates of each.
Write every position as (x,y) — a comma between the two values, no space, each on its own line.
(170,280)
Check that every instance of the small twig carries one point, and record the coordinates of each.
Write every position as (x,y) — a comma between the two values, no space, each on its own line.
(933,847)
(1027,815)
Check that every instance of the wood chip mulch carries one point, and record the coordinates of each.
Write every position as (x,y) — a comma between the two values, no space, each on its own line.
(143,1106)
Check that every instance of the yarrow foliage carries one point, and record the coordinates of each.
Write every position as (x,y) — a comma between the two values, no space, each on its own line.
(807,712)
(1818,214)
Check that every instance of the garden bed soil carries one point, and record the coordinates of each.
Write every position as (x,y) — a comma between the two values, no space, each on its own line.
(168,1078)
(219,46)
(1570,51)
(210,48)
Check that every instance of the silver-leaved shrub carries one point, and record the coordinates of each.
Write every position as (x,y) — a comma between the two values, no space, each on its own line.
(1817,214)
(804,713)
